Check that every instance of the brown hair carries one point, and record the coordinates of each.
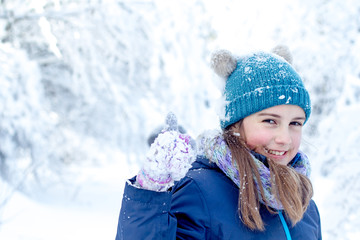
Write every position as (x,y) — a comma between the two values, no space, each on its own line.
(291,188)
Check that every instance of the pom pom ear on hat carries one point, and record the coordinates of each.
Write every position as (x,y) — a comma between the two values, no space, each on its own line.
(284,52)
(223,63)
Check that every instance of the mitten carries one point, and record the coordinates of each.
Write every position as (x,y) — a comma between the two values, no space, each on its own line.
(168,160)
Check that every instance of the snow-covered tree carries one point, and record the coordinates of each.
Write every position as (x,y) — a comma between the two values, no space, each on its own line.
(103,75)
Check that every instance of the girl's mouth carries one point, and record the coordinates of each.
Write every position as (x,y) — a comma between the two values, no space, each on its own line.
(274,152)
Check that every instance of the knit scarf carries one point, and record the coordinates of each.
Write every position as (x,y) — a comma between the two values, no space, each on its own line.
(212,145)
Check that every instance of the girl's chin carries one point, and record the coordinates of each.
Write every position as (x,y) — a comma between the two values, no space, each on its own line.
(281,162)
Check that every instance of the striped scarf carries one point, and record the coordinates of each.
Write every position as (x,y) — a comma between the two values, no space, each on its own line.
(212,145)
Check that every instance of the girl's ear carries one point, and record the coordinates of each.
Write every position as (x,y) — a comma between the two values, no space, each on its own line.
(237,134)
(236,129)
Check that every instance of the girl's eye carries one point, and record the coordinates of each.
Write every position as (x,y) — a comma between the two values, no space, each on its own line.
(269,121)
(296,123)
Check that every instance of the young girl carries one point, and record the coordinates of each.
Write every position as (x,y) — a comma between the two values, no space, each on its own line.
(249,181)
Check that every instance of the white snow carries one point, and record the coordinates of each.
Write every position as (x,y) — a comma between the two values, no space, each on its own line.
(90,213)
(82,84)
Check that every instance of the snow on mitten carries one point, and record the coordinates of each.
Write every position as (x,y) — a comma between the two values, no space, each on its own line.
(168,160)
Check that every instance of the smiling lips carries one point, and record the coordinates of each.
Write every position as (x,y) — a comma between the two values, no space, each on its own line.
(273,152)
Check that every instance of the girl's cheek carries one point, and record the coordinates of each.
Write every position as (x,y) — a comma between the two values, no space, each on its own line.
(297,143)
(257,140)
(297,139)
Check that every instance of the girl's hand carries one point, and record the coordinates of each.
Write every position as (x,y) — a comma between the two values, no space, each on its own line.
(168,160)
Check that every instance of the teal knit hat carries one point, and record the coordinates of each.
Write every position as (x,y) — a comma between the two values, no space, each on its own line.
(258,81)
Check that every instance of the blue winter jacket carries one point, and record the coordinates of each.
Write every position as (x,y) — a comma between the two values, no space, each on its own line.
(203,205)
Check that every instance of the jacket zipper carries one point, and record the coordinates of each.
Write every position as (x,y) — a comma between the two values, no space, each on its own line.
(285,226)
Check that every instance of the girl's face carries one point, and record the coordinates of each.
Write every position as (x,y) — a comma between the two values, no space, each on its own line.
(274,132)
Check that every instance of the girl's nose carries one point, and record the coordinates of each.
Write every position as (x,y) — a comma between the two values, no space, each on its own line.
(283,136)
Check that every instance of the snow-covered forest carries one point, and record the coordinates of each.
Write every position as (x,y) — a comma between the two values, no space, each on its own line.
(84,82)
